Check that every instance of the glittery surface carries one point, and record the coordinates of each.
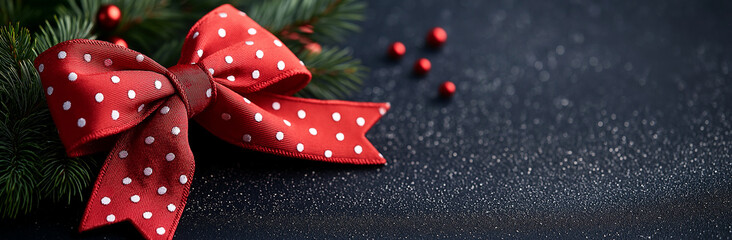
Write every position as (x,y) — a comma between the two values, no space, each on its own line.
(571,119)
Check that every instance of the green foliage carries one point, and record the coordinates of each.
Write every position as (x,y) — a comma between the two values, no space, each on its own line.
(33,163)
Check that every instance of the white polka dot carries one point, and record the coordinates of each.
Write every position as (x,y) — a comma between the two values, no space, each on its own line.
(115,79)
(336,116)
(123,154)
(199,52)
(226,116)
(382,110)
(247,100)
(242,13)
(111,218)
(328,153)
(126,180)
(211,70)
(139,58)
(223,15)
(87,57)
(260,54)
(131,94)
(300,147)
(49,91)
(183,179)
(360,121)
(81,122)
(195,35)
(301,114)
(313,131)
(208,93)
(147,171)
(381,156)
(115,115)
(175,131)
(230,78)
(252,31)
(249,43)
(255,74)
(135,198)
(61,54)
(276,105)
(302,63)
(340,136)
(158,84)
(229,59)
(278,43)
(280,136)
(162,190)
(149,140)
(222,32)
(141,107)
(171,207)
(170,157)
(287,122)
(146,215)
(41,67)
(107,62)
(72,76)
(258,117)
(67,105)
(99,97)
(281,65)
(358,149)
(160,230)
(247,138)
(106,200)
(164,110)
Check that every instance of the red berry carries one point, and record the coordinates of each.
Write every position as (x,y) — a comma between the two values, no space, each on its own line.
(397,50)
(313,48)
(447,89)
(118,41)
(436,37)
(109,16)
(422,66)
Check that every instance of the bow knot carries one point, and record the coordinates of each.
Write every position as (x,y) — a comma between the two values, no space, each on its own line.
(195,87)
(104,97)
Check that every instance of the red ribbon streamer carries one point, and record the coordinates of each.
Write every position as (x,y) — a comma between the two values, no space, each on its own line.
(233,78)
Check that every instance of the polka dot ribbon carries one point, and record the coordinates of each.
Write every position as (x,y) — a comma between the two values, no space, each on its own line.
(233,78)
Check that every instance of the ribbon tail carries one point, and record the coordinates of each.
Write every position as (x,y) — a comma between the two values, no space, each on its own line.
(146,177)
(322,130)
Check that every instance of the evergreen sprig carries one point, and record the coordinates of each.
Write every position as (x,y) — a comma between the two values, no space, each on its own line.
(33,163)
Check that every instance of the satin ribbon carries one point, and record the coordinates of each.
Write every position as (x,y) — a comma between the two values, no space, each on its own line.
(233,78)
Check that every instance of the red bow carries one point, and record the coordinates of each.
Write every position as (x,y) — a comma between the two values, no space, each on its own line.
(233,75)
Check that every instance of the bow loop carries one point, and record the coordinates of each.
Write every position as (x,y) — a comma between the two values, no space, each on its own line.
(242,55)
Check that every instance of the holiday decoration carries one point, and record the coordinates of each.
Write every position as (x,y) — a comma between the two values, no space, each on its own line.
(233,77)
(397,50)
(422,66)
(447,89)
(109,16)
(118,41)
(436,37)
(43,172)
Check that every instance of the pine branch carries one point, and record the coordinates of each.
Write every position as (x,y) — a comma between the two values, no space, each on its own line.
(335,73)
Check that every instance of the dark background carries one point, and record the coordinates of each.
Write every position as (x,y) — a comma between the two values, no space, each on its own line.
(571,119)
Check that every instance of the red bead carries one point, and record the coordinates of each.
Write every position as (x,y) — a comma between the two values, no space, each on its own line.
(436,37)
(422,66)
(109,16)
(118,41)
(447,89)
(397,50)
(313,48)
